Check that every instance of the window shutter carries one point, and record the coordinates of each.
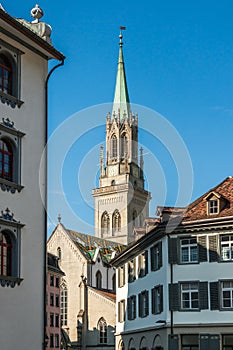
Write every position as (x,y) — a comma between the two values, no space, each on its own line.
(134,310)
(146,262)
(213,249)
(202,248)
(214,341)
(172,250)
(214,295)
(153,300)
(152,259)
(161,298)
(174,297)
(129,309)
(147,302)
(203,295)
(160,255)
(140,305)
(173,342)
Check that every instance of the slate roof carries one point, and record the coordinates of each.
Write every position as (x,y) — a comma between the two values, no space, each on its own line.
(198,209)
(52,261)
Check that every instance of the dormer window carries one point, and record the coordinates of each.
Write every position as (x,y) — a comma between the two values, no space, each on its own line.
(213,206)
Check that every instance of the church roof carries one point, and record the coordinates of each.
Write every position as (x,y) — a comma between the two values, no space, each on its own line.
(88,245)
(104,293)
(121,104)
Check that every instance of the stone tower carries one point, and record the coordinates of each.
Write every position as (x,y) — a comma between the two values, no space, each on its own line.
(121,202)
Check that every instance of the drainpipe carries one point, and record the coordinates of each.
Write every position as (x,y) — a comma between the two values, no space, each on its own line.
(171,281)
(44,344)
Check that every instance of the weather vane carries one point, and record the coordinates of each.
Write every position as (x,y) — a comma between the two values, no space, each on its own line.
(121,36)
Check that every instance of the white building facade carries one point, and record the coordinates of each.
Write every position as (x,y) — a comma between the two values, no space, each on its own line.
(175,290)
(25,49)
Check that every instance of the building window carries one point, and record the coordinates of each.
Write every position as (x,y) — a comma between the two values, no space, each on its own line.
(227,294)
(189,250)
(189,296)
(57,321)
(105,224)
(226,247)
(51,340)
(98,280)
(189,342)
(52,280)
(51,320)
(116,222)
(143,264)
(57,282)
(134,216)
(57,299)
(57,345)
(143,303)
(103,330)
(64,303)
(51,299)
(213,206)
(59,252)
(121,311)
(131,307)
(131,270)
(157,299)
(5,254)
(5,75)
(114,146)
(121,276)
(6,160)
(227,342)
(124,146)
(156,256)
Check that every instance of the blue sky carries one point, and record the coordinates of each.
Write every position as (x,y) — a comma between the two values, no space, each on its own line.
(179,62)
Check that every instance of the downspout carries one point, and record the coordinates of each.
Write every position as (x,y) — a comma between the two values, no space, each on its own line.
(171,281)
(44,344)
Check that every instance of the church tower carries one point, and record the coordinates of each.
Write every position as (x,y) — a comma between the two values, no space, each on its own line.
(121,202)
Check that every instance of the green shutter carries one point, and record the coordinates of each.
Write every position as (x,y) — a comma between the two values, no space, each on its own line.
(202,251)
(174,297)
(160,255)
(213,248)
(139,305)
(173,250)
(161,298)
(129,309)
(146,262)
(214,295)
(152,258)
(147,302)
(209,341)
(134,310)
(203,292)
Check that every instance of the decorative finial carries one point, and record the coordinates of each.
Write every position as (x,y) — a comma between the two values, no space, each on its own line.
(59,218)
(121,36)
(37,13)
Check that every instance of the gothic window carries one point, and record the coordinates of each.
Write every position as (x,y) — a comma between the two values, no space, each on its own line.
(124,146)
(116,222)
(6,160)
(5,74)
(135,215)
(105,224)
(5,254)
(98,279)
(102,327)
(64,303)
(114,146)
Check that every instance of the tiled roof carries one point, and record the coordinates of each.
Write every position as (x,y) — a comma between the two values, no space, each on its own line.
(104,293)
(88,244)
(198,209)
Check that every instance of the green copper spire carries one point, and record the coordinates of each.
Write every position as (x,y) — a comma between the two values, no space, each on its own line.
(121,104)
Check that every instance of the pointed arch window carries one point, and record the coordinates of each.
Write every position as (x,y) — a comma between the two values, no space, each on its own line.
(114,146)
(105,224)
(64,303)
(98,279)
(116,222)
(5,254)
(6,160)
(135,218)
(102,327)
(5,75)
(124,146)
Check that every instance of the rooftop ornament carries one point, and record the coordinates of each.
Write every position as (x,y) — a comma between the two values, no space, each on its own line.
(37,13)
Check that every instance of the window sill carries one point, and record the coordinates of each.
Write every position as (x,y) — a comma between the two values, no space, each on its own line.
(9,281)
(10,100)
(10,186)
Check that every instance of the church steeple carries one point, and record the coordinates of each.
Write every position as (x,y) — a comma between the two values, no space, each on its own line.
(121,104)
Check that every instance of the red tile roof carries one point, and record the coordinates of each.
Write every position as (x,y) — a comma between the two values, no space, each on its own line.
(198,209)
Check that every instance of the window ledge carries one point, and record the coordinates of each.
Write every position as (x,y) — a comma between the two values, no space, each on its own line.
(8,281)
(10,186)
(10,100)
